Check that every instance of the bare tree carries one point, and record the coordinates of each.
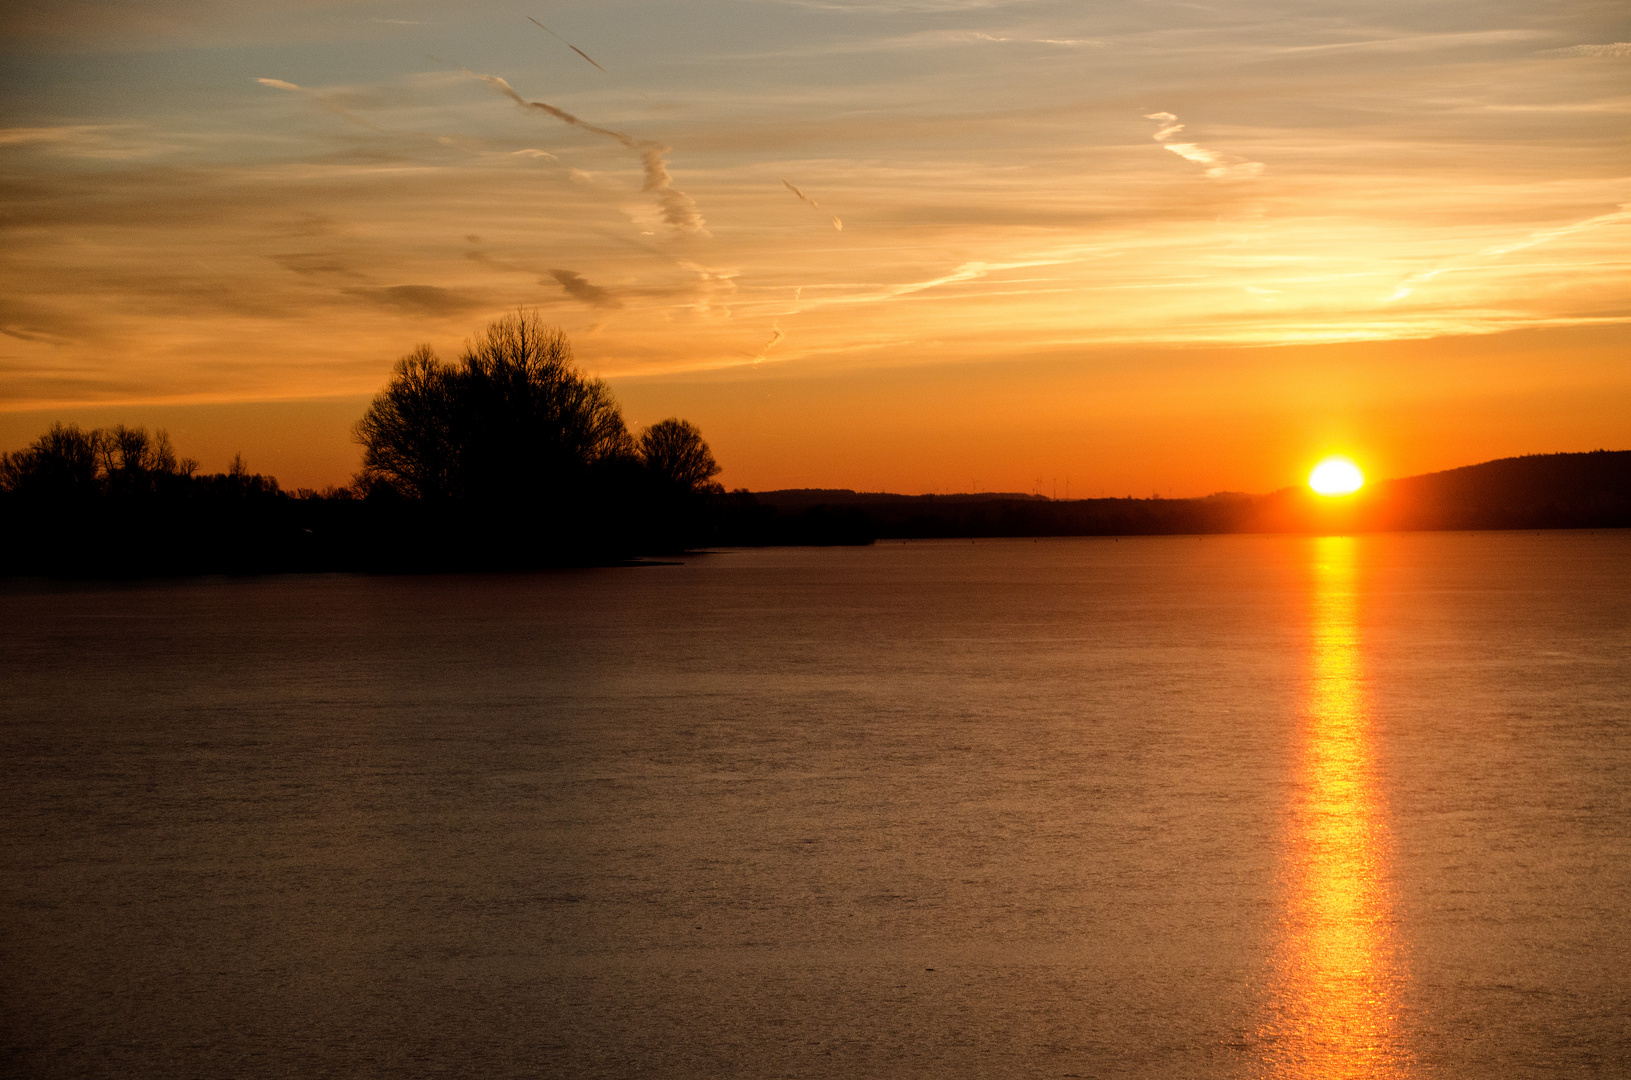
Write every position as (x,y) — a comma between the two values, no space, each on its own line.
(69,462)
(514,421)
(64,461)
(408,432)
(675,455)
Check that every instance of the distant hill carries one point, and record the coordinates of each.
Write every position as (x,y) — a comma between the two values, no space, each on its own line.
(1538,491)
(1565,489)
(802,497)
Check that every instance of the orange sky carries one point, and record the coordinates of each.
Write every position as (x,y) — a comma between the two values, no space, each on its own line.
(1132,248)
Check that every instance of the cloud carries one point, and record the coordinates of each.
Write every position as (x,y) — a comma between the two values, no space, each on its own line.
(711,291)
(1169,124)
(321,99)
(799,193)
(1408,285)
(776,335)
(315,264)
(1217,165)
(975,35)
(418,299)
(1613,48)
(679,210)
(565,42)
(23,334)
(580,289)
(836,224)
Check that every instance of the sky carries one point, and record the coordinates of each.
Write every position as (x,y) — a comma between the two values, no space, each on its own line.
(1077,248)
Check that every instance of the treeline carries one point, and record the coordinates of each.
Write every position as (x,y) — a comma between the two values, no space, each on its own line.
(511,458)
(508,458)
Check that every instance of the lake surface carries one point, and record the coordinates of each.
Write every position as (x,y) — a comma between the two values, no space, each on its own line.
(1162,807)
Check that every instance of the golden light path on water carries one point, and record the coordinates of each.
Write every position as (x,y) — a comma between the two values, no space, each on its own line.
(1337,970)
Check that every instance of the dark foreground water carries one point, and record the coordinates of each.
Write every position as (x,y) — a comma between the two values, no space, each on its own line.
(1167,807)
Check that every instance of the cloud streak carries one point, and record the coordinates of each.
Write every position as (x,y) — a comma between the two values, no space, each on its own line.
(678,209)
(577,287)
(1219,166)
(1612,48)
(1409,284)
(836,224)
(565,42)
(324,102)
(776,335)
(799,193)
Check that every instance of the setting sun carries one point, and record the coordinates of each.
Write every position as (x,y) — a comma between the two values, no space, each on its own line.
(1336,476)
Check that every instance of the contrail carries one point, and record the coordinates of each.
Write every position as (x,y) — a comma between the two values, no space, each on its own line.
(567,43)
(775,336)
(1408,285)
(836,224)
(279,84)
(799,193)
(678,208)
(560,114)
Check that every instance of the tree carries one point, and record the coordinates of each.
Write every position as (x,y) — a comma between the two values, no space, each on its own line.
(408,434)
(134,463)
(677,458)
(69,463)
(65,462)
(513,423)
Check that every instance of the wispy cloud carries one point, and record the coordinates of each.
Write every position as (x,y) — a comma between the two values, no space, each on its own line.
(321,99)
(836,224)
(429,300)
(776,336)
(715,287)
(678,209)
(799,193)
(64,133)
(565,42)
(1217,165)
(575,286)
(976,35)
(1612,48)
(1414,43)
(1496,251)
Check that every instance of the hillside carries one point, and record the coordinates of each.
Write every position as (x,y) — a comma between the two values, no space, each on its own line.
(1537,491)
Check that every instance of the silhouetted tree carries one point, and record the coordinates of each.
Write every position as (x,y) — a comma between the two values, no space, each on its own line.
(65,462)
(513,422)
(409,433)
(530,425)
(134,464)
(677,458)
(511,456)
(69,463)
(237,483)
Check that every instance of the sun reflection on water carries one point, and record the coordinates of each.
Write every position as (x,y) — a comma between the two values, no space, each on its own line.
(1337,976)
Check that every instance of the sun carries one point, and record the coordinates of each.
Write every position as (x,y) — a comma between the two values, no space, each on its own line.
(1336,476)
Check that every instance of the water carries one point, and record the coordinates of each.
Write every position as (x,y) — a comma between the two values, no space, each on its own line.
(1166,807)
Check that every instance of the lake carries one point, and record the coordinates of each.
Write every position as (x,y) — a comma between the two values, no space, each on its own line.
(1233,806)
